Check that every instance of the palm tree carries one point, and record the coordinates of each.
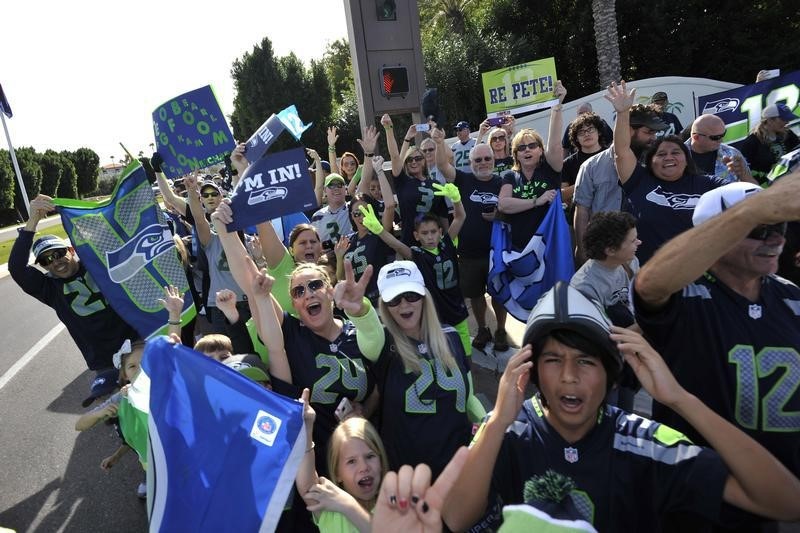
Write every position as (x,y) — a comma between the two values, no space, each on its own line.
(453,13)
(606,41)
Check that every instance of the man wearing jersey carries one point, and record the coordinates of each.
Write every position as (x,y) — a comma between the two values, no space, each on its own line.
(727,326)
(69,289)
(462,147)
(626,471)
(333,220)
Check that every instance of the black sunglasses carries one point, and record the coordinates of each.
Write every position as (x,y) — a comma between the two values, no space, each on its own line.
(209,194)
(762,232)
(529,146)
(410,297)
(482,159)
(415,159)
(427,150)
(498,138)
(52,257)
(313,286)
(711,137)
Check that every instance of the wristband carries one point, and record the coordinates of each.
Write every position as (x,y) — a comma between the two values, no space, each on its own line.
(390,126)
(331,148)
(174,322)
(311,448)
(369,154)
(411,140)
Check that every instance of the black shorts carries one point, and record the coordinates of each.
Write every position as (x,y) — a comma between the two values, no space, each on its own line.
(473,273)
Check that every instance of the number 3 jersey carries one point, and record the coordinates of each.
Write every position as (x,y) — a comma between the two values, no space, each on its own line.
(423,416)
(739,357)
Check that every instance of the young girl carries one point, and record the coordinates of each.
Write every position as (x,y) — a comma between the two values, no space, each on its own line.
(357,461)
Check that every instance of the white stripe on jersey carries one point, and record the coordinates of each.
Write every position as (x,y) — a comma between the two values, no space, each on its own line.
(657,452)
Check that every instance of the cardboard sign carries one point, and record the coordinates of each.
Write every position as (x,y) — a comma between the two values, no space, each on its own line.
(520,88)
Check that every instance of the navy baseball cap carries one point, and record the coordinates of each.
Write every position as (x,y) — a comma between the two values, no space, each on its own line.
(48,242)
(461,125)
(104,382)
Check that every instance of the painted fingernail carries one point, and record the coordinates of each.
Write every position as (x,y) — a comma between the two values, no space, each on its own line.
(425,507)
(403,503)
(393,500)
(414,499)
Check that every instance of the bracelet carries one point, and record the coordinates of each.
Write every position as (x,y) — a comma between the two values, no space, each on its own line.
(368,154)
(411,140)
(311,448)
(331,148)
(390,126)
(556,107)
(174,322)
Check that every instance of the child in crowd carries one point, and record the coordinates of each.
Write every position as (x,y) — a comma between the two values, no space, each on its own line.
(357,461)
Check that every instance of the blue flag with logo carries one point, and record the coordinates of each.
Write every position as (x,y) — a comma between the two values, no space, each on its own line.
(126,245)
(518,279)
(224,451)
(278,184)
(4,107)
(262,139)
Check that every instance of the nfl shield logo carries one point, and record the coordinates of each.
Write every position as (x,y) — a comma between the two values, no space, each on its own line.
(571,455)
(755,311)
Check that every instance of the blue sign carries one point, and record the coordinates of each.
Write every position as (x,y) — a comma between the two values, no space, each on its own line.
(741,108)
(191,132)
(262,139)
(279,184)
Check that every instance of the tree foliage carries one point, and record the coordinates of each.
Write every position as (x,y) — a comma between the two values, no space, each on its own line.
(50,162)
(68,186)
(87,166)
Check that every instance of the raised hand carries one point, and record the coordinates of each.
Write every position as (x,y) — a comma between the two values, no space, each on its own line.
(332,136)
(511,390)
(349,293)
(223,214)
(238,159)
(225,300)
(172,300)
(370,220)
(408,503)
(341,246)
(370,139)
(42,205)
(448,190)
(313,154)
(620,98)
(377,163)
(437,135)
(262,283)
(386,121)
(156,161)
(190,182)
(560,92)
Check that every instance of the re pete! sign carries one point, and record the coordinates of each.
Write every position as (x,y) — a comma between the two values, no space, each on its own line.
(520,88)
(191,132)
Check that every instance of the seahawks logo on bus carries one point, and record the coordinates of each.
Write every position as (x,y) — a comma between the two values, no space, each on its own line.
(720,106)
(265,195)
(127,260)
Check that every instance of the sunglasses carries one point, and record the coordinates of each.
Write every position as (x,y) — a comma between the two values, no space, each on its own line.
(335,185)
(427,150)
(486,159)
(410,297)
(209,194)
(415,159)
(313,286)
(498,138)
(357,214)
(762,232)
(529,146)
(52,257)
(711,137)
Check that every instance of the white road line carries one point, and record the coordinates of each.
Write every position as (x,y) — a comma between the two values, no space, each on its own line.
(30,354)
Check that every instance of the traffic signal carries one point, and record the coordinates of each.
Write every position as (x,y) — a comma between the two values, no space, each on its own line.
(386,9)
(394,81)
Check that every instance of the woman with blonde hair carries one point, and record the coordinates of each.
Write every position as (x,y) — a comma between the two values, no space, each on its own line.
(769,140)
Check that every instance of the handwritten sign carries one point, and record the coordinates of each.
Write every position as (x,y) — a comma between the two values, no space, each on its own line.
(520,88)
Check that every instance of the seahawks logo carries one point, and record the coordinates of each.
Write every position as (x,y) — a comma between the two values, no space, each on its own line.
(672,200)
(127,260)
(265,195)
(395,272)
(720,106)
(486,198)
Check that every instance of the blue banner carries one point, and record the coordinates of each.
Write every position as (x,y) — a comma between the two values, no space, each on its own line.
(191,132)
(740,108)
(224,451)
(126,245)
(4,107)
(262,139)
(278,184)
(518,279)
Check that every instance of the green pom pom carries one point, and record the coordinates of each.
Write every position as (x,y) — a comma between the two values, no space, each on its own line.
(550,487)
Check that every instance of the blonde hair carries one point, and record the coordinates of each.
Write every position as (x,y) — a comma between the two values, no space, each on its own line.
(409,152)
(762,133)
(355,428)
(517,140)
(432,335)
(319,269)
(507,145)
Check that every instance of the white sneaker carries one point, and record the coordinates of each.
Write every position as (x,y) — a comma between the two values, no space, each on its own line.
(141,490)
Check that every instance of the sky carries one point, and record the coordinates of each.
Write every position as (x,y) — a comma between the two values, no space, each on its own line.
(90,73)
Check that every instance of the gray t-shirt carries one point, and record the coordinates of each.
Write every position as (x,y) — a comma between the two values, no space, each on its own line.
(609,287)
(219,272)
(597,185)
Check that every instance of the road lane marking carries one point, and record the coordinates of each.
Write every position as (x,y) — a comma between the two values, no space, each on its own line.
(30,354)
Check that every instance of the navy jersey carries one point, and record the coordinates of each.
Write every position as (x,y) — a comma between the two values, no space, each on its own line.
(525,223)
(739,357)
(424,416)
(415,198)
(367,250)
(627,470)
(440,271)
(663,209)
(476,196)
(96,328)
(503,164)
(330,370)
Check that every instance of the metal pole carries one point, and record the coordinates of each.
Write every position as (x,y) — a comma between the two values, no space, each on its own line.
(16,166)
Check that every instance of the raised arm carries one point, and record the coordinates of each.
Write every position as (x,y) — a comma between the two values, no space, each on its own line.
(374,225)
(270,320)
(200,222)
(443,154)
(238,160)
(389,203)
(622,100)
(391,144)
(368,145)
(163,185)
(554,154)
(319,174)
(687,256)
(332,138)
(451,192)
(757,482)
(307,472)
(173,303)
(483,128)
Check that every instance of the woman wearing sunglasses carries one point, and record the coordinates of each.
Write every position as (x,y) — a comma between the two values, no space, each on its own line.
(531,185)
(347,165)
(663,193)
(423,375)
(412,181)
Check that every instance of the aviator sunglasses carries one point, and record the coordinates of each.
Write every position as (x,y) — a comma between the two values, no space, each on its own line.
(313,286)
(410,297)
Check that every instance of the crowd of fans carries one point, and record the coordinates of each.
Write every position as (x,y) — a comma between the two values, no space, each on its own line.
(361,312)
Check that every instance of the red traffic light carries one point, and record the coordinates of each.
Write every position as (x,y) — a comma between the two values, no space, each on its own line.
(394,81)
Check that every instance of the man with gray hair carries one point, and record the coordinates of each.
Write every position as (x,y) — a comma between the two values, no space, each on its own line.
(711,155)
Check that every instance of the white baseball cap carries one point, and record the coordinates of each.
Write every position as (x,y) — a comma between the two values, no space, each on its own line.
(398,277)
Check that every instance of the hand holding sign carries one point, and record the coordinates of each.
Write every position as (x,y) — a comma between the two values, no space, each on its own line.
(560,92)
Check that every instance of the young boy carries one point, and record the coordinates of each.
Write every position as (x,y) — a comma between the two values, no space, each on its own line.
(627,470)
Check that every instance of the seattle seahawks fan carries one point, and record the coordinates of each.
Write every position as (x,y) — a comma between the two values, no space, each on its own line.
(627,470)
(67,287)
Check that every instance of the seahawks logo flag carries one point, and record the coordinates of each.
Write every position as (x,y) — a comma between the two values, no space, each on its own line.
(224,451)
(518,279)
(125,244)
